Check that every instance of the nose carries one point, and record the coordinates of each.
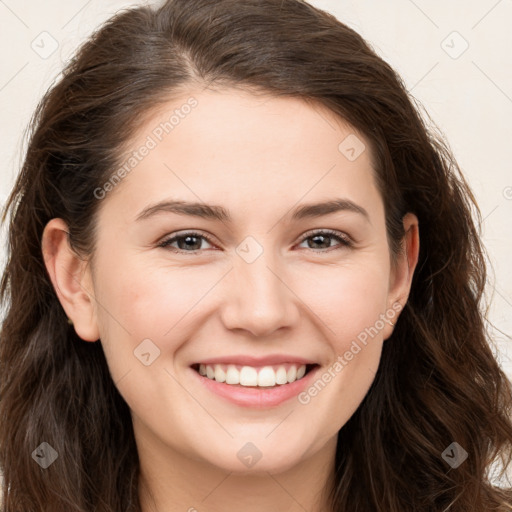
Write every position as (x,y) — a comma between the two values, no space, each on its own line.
(258,297)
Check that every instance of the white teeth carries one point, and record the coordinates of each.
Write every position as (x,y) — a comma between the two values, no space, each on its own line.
(266,376)
(248,376)
(220,374)
(281,377)
(232,375)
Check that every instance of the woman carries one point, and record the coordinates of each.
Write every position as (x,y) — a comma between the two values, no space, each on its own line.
(261,370)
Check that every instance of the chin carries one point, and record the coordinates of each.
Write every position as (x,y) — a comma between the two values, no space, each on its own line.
(253,458)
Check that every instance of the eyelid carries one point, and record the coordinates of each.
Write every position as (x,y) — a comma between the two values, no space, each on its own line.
(335,233)
(182,234)
(346,240)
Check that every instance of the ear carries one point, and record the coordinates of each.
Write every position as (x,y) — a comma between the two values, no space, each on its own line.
(71,279)
(403,270)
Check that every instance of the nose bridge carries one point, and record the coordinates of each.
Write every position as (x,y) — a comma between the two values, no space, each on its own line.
(260,300)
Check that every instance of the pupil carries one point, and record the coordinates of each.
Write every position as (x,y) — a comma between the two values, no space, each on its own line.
(321,236)
(187,240)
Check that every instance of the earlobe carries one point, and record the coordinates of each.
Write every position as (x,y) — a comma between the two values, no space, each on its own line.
(71,279)
(402,273)
(412,242)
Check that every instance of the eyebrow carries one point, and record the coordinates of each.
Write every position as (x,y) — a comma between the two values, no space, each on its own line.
(216,212)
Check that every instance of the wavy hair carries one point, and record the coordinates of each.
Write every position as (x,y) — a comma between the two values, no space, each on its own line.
(438,381)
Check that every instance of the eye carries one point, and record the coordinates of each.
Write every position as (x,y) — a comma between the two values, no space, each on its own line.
(190,240)
(323,237)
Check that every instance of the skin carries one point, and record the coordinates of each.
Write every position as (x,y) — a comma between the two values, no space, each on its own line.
(259,158)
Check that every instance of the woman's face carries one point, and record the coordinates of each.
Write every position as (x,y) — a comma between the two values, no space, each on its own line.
(265,282)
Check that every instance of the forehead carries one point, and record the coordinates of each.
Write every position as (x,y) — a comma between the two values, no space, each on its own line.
(234,147)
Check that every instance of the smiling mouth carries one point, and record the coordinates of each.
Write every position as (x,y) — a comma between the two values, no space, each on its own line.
(254,377)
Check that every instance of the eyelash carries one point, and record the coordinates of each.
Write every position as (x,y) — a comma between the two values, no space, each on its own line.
(342,238)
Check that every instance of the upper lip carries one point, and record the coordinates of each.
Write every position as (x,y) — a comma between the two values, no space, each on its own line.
(256,361)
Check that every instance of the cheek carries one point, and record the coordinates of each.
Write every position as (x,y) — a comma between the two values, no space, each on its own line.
(148,300)
(348,298)
(351,309)
(151,308)
(145,313)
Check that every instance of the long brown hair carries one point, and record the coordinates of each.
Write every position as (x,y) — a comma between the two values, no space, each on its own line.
(438,380)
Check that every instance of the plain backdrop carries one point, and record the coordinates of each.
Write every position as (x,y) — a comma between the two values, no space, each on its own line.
(454,58)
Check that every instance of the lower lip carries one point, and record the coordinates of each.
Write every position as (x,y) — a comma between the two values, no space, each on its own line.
(259,398)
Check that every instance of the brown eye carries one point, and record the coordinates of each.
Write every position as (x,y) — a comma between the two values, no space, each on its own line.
(189,242)
(322,240)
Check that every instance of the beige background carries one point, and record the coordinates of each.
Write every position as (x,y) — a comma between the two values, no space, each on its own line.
(455,58)
(468,93)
